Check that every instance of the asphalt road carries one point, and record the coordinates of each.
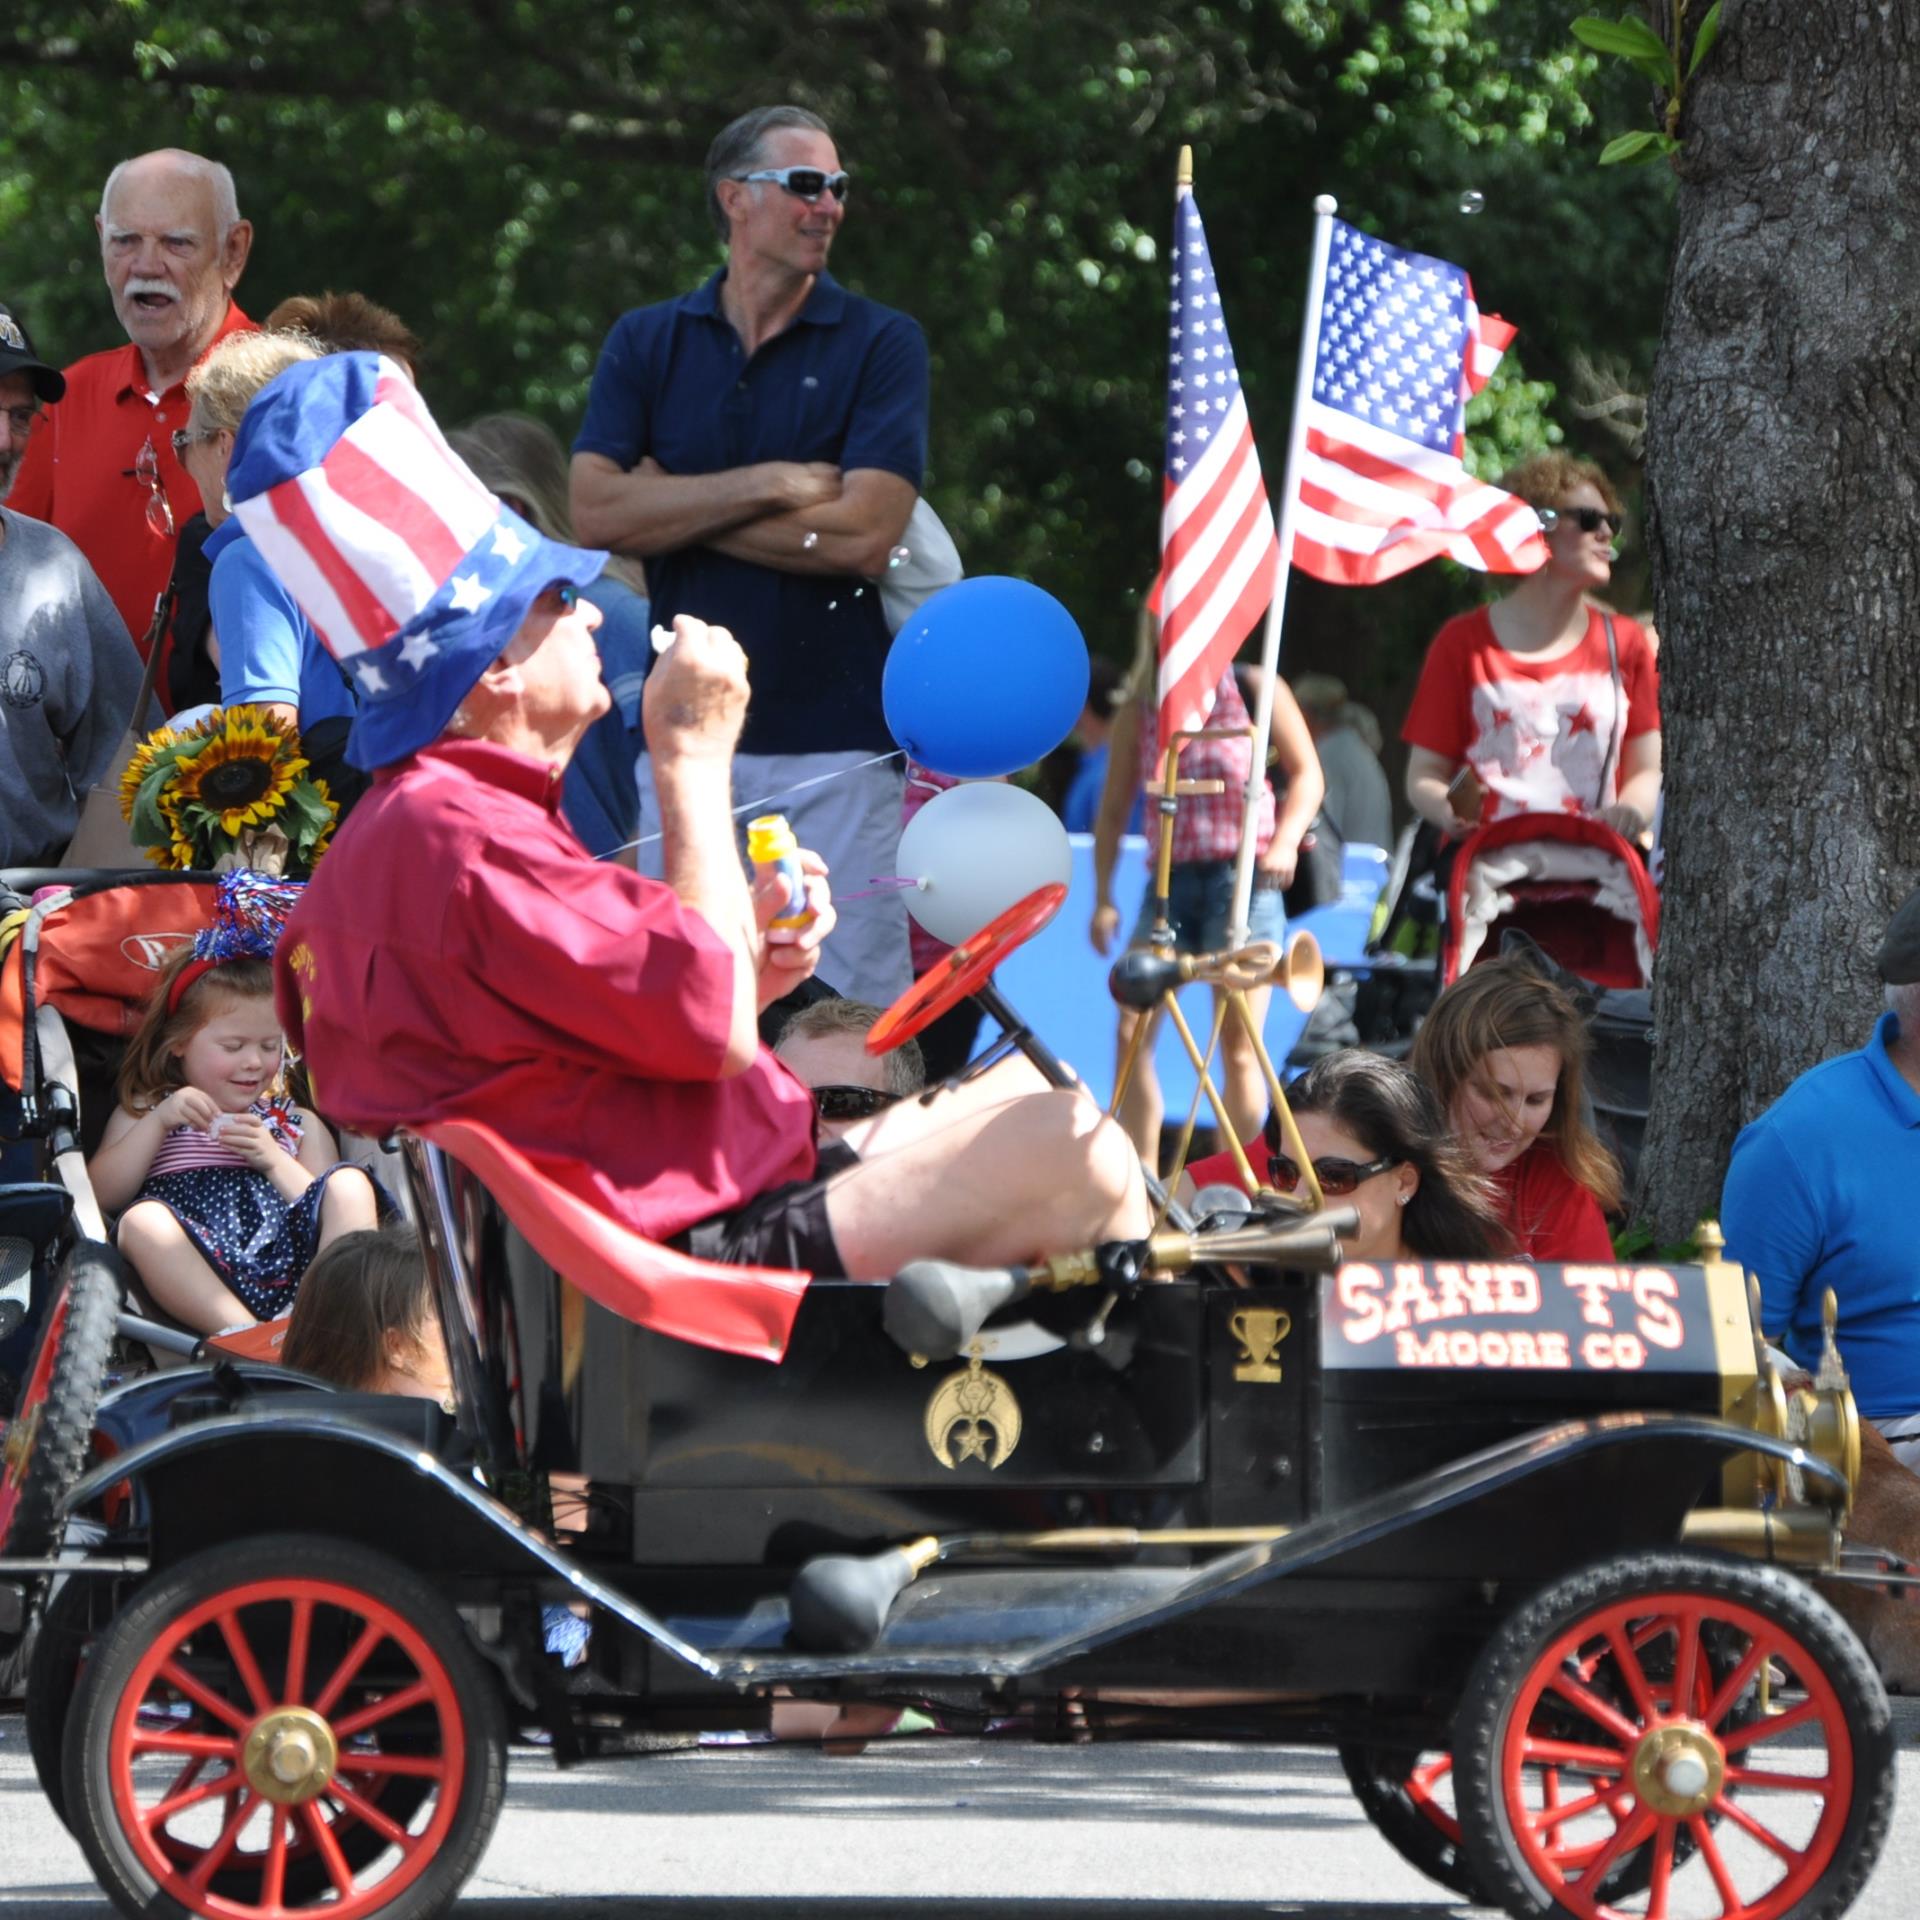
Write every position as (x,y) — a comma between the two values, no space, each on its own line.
(947,1829)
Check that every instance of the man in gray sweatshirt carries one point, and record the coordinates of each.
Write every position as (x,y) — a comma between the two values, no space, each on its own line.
(68,671)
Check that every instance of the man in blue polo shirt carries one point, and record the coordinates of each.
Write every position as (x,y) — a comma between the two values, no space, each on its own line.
(1820,1194)
(759,443)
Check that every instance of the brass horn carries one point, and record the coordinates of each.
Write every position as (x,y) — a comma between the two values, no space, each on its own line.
(1302,972)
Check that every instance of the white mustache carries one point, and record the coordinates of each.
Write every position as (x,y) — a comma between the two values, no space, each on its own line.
(141,283)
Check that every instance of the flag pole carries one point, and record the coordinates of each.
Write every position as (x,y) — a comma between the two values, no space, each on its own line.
(1324,208)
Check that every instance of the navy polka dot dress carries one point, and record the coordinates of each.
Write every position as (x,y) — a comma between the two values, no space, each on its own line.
(255,1239)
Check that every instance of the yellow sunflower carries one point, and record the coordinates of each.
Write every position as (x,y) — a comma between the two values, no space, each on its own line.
(243,774)
(177,849)
(141,765)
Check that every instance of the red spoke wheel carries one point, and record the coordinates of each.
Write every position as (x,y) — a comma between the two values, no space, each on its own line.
(1588,1740)
(295,1722)
(943,986)
(44,1449)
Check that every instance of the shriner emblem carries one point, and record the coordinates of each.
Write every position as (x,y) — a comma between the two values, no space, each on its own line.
(973,1415)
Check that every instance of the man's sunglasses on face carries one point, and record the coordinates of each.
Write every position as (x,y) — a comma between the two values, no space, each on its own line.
(804,183)
(850,1103)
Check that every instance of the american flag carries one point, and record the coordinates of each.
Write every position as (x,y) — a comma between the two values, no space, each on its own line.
(1402,349)
(1217,544)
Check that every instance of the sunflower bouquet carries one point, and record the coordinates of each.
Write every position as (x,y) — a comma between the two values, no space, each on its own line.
(231,791)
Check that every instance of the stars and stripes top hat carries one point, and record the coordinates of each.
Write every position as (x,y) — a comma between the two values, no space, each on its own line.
(413,575)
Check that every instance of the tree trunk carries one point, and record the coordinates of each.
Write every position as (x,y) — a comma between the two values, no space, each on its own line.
(1784,520)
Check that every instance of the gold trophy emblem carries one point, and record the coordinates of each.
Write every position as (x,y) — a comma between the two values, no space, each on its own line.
(1259,1330)
(973,1416)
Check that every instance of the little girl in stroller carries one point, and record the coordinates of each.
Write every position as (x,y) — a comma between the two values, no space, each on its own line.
(233,1188)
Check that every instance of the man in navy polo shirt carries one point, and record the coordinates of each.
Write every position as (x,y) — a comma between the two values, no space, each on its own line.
(1820,1194)
(759,443)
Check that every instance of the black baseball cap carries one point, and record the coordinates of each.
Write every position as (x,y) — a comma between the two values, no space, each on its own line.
(1899,956)
(17,356)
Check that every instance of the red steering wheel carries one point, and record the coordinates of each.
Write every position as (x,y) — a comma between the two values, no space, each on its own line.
(945,985)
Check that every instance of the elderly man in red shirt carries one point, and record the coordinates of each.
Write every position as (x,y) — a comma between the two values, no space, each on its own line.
(458,954)
(101,464)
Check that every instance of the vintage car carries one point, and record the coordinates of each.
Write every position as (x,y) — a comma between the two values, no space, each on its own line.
(1538,1549)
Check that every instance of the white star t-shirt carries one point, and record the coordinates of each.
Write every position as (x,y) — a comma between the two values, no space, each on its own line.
(1542,737)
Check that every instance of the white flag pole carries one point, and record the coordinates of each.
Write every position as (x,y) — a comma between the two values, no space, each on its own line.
(1323,211)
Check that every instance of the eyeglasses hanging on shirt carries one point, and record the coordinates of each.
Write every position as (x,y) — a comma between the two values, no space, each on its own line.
(146,469)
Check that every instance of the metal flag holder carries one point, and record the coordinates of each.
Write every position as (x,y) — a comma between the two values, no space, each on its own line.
(1147,979)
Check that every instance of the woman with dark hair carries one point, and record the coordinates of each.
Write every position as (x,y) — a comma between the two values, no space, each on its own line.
(365,1319)
(1380,1143)
(1505,1051)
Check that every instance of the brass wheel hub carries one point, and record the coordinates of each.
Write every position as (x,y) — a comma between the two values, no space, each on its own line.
(1678,1769)
(289,1756)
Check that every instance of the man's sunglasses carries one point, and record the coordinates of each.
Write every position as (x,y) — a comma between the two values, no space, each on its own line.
(804,183)
(1335,1176)
(1587,519)
(850,1103)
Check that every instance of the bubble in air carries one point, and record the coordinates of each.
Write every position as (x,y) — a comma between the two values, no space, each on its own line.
(899,556)
(810,542)
(858,591)
(1472,201)
(831,604)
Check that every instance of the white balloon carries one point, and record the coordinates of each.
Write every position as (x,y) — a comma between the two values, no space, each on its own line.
(976,849)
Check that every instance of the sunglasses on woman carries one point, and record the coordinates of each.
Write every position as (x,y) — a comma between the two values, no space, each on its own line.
(1587,519)
(1336,1177)
(804,183)
(850,1103)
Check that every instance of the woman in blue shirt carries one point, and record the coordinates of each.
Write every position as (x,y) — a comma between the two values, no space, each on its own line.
(268,654)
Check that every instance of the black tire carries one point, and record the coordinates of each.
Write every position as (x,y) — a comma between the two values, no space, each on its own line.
(1391,1785)
(46,1444)
(60,1644)
(458,1730)
(1729,1604)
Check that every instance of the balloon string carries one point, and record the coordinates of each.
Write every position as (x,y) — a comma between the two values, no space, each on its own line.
(767,799)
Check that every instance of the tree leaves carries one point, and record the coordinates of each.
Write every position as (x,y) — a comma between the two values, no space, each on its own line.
(509,177)
(1704,39)
(1632,40)
(1637,148)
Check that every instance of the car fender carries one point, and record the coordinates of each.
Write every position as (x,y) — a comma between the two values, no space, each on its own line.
(310,1471)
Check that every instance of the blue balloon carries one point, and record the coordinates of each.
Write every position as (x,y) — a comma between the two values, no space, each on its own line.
(985,678)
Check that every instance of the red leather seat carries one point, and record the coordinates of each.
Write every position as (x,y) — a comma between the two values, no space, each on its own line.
(745,1310)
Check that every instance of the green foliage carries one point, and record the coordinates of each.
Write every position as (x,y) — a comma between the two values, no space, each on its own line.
(1633,41)
(509,175)
(1638,1240)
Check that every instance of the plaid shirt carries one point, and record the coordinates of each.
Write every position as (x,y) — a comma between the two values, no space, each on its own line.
(1206,826)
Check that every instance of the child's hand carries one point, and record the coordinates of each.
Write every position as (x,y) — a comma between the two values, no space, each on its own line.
(188,1107)
(252,1139)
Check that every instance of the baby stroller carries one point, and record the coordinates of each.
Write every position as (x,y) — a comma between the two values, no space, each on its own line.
(1568,891)
(79,954)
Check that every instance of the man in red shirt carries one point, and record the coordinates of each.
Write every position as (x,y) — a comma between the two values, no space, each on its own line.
(458,954)
(101,465)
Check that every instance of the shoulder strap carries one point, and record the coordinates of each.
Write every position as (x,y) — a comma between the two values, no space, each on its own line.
(156,645)
(1618,725)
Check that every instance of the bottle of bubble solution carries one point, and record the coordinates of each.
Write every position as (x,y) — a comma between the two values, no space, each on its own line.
(770,843)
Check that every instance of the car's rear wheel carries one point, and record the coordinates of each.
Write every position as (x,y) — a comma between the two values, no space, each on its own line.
(1735,1814)
(292,1722)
